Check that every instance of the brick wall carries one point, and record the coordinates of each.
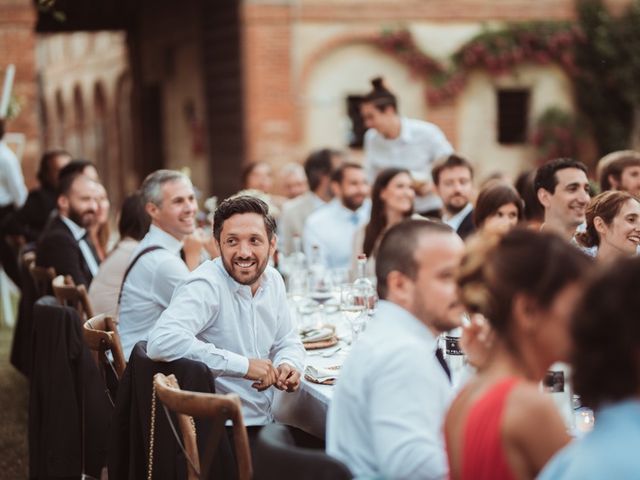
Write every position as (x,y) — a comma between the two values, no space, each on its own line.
(17,46)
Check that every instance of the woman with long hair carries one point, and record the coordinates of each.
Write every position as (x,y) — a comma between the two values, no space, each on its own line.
(613,225)
(498,208)
(606,375)
(525,285)
(392,199)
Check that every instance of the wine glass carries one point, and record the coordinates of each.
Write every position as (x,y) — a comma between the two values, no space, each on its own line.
(353,309)
(320,288)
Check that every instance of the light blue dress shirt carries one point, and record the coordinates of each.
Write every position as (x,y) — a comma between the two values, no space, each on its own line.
(332,228)
(386,415)
(610,451)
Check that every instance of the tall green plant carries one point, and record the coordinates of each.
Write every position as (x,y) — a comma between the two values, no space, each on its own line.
(602,83)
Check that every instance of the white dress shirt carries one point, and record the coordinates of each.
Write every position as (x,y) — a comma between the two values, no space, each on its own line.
(386,416)
(217,321)
(105,286)
(80,234)
(417,147)
(292,218)
(12,188)
(455,221)
(149,286)
(333,228)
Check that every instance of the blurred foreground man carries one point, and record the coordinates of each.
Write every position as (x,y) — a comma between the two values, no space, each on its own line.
(385,418)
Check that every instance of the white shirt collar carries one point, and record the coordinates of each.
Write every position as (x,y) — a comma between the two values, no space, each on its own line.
(394,314)
(455,221)
(317,201)
(405,130)
(76,230)
(157,236)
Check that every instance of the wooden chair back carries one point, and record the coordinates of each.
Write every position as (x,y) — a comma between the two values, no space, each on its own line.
(42,278)
(101,335)
(220,408)
(72,295)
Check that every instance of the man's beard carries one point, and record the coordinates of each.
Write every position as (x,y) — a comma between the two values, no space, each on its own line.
(353,203)
(455,208)
(260,268)
(82,218)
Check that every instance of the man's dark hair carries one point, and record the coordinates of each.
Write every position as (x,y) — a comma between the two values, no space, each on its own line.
(134,219)
(238,205)
(338,174)
(75,166)
(533,209)
(380,97)
(546,174)
(450,161)
(614,164)
(398,246)
(606,336)
(66,182)
(45,165)
(317,165)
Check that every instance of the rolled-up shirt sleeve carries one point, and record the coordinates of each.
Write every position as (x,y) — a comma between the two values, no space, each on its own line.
(193,308)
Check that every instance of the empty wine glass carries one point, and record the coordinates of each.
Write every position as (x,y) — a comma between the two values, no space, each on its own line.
(353,309)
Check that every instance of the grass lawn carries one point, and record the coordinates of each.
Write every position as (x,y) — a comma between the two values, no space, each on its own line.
(14,398)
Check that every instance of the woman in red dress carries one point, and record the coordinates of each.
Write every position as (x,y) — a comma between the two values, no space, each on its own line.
(501,426)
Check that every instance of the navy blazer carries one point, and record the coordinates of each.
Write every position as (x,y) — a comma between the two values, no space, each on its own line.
(59,249)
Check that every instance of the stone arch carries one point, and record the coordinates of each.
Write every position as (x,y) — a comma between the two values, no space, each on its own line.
(127,174)
(100,131)
(77,128)
(60,120)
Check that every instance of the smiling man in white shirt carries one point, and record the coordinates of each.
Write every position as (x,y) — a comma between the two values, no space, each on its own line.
(385,418)
(453,179)
(156,268)
(231,313)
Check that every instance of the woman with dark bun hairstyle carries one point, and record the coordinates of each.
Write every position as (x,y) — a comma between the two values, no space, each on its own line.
(613,225)
(501,426)
(399,142)
(606,374)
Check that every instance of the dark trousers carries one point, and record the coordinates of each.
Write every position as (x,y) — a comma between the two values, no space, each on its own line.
(8,254)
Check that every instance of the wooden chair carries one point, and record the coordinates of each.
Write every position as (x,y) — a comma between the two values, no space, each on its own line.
(101,335)
(219,407)
(72,295)
(42,278)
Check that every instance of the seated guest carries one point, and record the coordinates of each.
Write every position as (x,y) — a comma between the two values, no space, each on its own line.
(318,168)
(29,221)
(498,208)
(257,176)
(231,314)
(606,376)
(332,227)
(613,225)
(133,226)
(525,284)
(391,202)
(156,268)
(620,171)
(563,190)
(385,417)
(65,245)
(293,179)
(452,177)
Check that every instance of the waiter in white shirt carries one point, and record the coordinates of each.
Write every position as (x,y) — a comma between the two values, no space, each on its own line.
(385,418)
(231,314)
(13,194)
(156,268)
(395,141)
